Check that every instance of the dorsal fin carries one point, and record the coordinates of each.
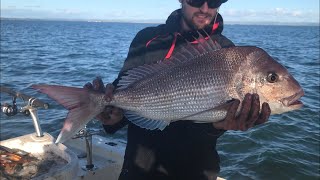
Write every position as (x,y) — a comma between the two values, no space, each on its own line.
(200,46)
(187,52)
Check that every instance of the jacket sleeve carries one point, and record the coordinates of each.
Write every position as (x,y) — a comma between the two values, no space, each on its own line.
(213,132)
(137,52)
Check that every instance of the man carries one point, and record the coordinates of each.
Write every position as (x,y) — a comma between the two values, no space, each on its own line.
(183,150)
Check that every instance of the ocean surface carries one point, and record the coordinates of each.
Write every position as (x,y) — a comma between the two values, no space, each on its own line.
(73,53)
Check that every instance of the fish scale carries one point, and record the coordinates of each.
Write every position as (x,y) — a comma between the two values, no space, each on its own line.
(197,89)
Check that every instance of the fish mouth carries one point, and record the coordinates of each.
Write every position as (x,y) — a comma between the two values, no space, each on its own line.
(293,100)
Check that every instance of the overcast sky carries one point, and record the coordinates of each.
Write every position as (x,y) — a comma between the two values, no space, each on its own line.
(288,11)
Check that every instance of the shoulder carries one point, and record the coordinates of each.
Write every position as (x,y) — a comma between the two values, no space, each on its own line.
(148,33)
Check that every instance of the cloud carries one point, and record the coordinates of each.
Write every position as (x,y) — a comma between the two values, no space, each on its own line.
(297,13)
(275,15)
(44,14)
(287,12)
(32,7)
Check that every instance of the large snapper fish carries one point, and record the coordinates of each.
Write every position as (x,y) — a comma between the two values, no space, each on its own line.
(197,83)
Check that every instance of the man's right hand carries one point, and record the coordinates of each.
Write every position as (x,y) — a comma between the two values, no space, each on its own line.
(111,115)
(248,117)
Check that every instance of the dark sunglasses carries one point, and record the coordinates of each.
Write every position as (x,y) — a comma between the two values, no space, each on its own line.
(211,3)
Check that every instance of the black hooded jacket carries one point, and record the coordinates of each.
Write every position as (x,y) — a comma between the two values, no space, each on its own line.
(183,150)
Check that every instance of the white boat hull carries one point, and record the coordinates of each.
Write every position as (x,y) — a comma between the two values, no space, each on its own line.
(107,156)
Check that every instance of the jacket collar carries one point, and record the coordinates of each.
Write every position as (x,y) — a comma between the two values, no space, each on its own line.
(172,31)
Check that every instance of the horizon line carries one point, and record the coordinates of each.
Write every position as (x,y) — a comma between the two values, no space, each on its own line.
(161,21)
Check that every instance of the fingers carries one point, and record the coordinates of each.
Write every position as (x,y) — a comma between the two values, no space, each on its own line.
(249,115)
(265,114)
(98,84)
(110,115)
(88,86)
(254,111)
(109,92)
(244,112)
(229,123)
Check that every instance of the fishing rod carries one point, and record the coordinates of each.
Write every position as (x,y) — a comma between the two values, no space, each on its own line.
(32,101)
(29,109)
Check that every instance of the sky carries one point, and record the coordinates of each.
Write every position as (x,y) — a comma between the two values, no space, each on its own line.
(282,11)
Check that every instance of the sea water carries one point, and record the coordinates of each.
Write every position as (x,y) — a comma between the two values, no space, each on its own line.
(73,53)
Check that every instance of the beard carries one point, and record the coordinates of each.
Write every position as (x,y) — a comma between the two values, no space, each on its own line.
(191,22)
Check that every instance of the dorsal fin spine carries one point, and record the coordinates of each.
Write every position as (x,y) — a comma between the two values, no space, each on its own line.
(185,53)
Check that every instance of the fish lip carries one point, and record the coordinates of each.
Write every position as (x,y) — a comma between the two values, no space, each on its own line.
(293,100)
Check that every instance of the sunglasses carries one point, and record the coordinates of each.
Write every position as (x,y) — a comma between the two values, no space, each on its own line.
(211,3)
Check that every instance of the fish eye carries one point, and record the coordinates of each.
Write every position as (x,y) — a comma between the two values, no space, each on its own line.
(272,77)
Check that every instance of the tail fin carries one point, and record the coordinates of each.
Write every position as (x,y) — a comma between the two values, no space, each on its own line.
(77,100)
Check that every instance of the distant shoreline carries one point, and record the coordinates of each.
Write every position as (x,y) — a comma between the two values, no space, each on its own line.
(158,21)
